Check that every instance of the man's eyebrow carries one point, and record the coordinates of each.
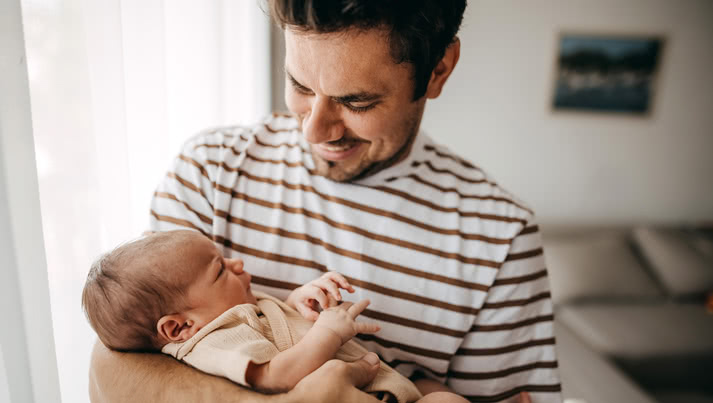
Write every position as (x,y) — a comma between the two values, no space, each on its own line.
(344,99)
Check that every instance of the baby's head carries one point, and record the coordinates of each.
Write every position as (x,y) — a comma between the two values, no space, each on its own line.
(161,288)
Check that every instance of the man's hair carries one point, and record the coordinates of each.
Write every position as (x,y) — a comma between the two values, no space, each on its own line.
(125,296)
(419,31)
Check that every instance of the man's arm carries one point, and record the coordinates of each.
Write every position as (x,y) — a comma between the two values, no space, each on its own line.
(510,347)
(143,377)
(135,377)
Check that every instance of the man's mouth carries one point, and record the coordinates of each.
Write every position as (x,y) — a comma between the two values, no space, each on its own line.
(339,149)
(341,144)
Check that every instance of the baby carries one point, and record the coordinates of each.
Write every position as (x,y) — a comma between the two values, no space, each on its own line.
(174,292)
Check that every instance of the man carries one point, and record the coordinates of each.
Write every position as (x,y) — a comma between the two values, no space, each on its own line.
(452,263)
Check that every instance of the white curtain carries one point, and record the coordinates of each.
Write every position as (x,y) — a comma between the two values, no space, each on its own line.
(116,87)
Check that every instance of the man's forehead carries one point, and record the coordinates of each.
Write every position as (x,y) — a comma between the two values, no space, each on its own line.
(341,63)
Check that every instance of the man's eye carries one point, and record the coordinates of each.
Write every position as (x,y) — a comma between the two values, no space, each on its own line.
(302,90)
(358,108)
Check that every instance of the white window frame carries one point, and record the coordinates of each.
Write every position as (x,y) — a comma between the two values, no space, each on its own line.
(26,337)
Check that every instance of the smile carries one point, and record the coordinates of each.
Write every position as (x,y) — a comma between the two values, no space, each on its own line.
(337,152)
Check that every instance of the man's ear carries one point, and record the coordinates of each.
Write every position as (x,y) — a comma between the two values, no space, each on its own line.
(176,328)
(443,69)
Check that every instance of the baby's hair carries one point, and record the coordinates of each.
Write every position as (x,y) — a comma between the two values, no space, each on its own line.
(127,292)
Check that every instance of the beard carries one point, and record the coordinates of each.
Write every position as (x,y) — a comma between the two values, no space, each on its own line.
(348,170)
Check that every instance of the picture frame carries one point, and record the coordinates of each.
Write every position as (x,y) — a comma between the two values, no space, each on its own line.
(606,73)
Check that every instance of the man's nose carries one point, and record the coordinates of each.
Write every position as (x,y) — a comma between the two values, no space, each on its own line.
(323,123)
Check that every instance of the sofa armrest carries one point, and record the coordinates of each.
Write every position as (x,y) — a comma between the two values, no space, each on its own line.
(588,376)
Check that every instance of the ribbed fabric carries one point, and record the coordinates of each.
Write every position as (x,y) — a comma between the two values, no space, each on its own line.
(248,333)
(452,263)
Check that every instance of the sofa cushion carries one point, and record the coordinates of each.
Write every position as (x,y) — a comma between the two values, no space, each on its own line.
(596,266)
(678,258)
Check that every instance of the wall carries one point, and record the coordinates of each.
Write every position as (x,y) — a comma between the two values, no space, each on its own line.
(584,168)
(4,387)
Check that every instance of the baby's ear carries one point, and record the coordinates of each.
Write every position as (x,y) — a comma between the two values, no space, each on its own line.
(176,328)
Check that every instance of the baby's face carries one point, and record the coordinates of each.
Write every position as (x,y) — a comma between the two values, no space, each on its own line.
(218,283)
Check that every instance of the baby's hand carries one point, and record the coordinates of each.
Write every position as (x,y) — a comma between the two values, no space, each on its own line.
(341,320)
(323,292)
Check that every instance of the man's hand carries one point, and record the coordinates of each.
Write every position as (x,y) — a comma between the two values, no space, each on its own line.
(323,292)
(341,320)
(338,381)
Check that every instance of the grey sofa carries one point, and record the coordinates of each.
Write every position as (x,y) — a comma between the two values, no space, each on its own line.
(630,313)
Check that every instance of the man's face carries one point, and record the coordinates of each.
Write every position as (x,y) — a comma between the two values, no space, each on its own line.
(353,103)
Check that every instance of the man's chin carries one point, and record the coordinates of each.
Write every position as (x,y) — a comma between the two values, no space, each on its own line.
(336,171)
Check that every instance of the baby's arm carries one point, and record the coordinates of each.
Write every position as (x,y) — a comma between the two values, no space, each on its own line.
(334,327)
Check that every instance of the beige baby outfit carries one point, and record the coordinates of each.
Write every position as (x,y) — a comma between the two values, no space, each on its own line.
(248,333)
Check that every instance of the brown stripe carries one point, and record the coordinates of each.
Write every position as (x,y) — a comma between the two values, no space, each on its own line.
(190,186)
(405,347)
(414,298)
(270,256)
(200,216)
(454,158)
(400,320)
(516,302)
(520,279)
(360,231)
(195,163)
(529,230)
(471,376)
(396,363)
(463,196)
(350,254)
(446,171)
(274,283)
(223,145)
(433,206)
(512,392)
(523,255)
(505,349)
(281,115)
(514,325)
(289,145)
(273,130)
(289,164)
(177,221)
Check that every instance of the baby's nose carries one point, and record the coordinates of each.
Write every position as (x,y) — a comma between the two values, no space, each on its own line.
(236,265)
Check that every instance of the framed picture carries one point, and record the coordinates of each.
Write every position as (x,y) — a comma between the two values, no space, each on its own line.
(606,73)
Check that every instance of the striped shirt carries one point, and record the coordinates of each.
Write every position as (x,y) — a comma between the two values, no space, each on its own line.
(452,263)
